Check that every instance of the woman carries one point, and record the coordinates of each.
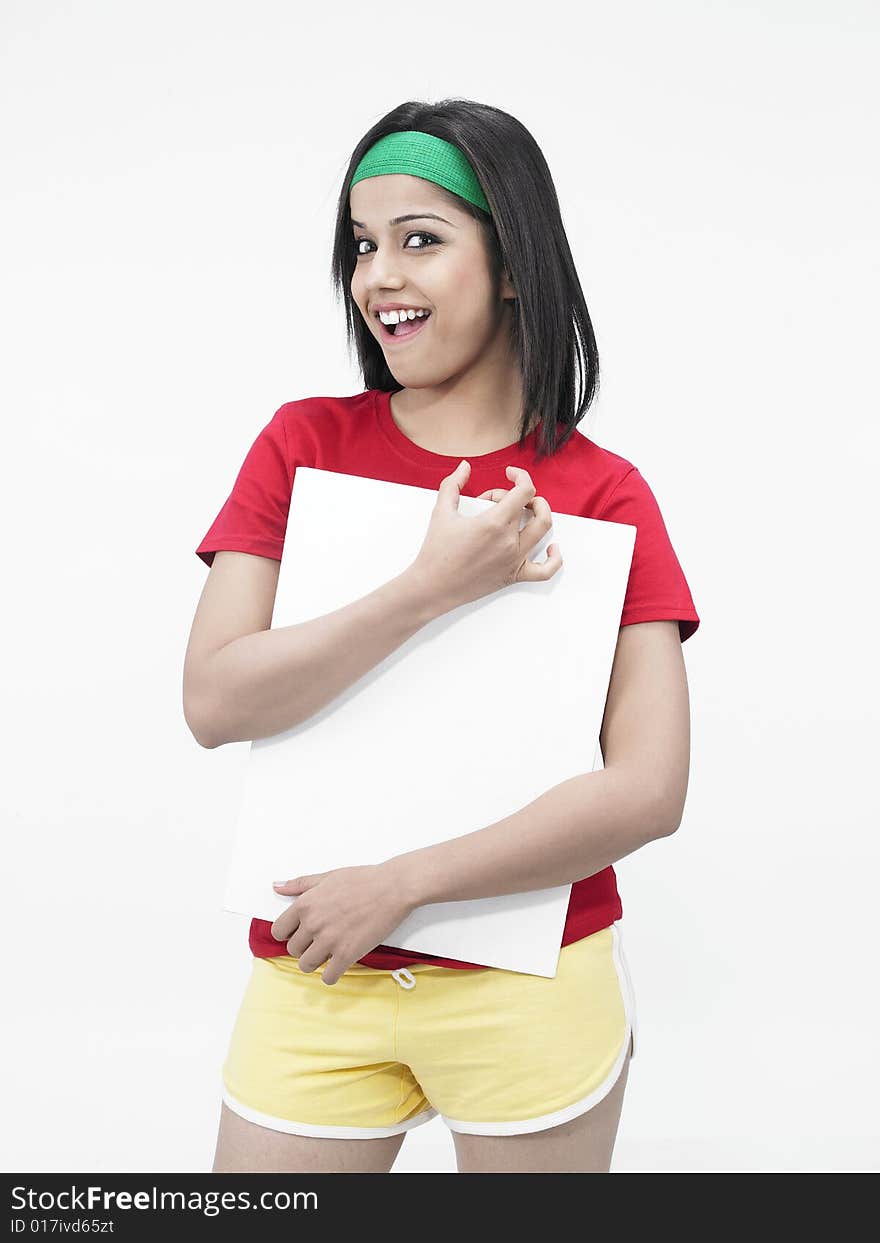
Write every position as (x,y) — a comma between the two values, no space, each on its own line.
(472,334)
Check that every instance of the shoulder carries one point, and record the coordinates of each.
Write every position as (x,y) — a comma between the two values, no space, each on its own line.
(316,421)
(583,458)
(608,463)
(581,450)
(322,410)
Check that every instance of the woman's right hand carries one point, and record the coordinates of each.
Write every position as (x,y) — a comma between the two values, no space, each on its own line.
(465,558)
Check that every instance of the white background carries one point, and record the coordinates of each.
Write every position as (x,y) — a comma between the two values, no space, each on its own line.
(169,179)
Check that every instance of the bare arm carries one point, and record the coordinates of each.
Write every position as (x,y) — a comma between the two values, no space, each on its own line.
(263,683)
(243,680)
(582,825)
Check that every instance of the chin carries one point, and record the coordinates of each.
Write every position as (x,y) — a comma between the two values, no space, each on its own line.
(420,377)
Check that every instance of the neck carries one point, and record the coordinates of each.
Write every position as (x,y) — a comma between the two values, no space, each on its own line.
(477,412)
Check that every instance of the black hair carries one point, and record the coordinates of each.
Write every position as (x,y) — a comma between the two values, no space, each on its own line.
(551,329)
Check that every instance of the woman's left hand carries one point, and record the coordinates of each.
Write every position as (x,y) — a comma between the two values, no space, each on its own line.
(341,915)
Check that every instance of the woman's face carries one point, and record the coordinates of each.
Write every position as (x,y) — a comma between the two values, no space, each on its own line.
(439,265)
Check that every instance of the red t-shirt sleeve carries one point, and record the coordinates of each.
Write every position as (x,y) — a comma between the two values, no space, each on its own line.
(657,589)
(254,516)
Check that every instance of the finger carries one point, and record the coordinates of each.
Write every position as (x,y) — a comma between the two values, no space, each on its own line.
(520,495)
(334,971)
(539,520)
(297,885)
(299,942)
(450,488)
(286,924)
(493,494)
(540,571)
(313,957)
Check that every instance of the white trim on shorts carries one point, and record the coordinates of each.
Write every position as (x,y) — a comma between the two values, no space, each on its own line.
(323,1132)
(543,1121)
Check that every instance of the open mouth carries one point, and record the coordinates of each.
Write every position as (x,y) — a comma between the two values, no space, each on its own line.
(405,329)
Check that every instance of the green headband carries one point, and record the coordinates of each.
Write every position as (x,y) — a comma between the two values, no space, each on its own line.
(423,155)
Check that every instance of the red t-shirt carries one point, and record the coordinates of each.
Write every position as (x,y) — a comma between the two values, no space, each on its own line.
(358,436)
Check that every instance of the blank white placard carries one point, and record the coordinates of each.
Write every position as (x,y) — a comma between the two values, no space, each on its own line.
(475,716)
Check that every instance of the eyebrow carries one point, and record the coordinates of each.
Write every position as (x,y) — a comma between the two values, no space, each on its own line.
(425,215)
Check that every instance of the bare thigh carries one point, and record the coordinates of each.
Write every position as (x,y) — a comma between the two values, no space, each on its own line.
(244,1147)
(584,1145)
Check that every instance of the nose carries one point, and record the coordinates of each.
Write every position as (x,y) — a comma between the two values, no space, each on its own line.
(383,272)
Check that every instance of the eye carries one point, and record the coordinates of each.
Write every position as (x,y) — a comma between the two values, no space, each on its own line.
(432,240)
(430,236)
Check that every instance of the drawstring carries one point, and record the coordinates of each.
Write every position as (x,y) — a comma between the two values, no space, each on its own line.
(398,976)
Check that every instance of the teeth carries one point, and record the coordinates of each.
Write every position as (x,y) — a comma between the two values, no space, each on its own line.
(395,317)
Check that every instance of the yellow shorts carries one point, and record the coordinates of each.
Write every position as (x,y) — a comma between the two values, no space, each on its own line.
(493,1052)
